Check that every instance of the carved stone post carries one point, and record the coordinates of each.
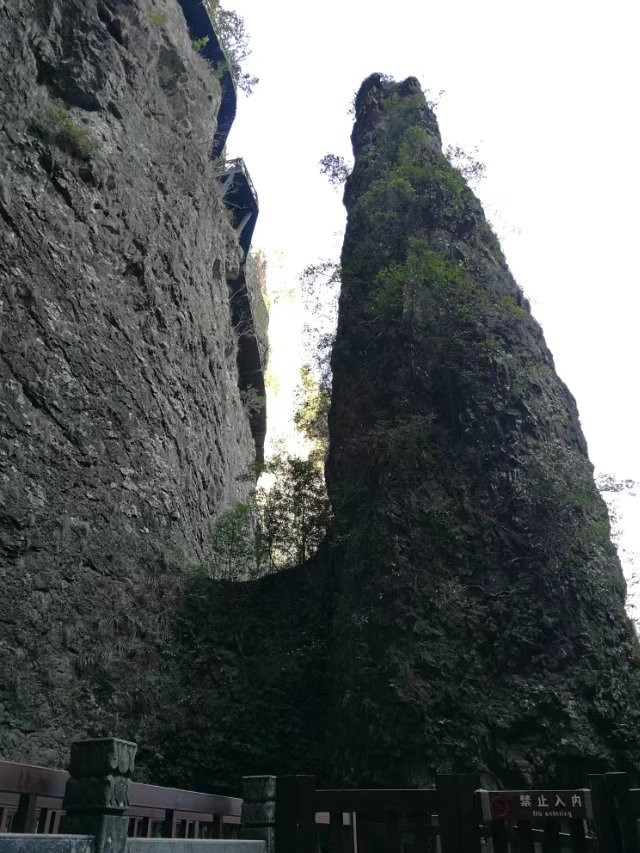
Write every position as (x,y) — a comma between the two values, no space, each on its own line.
(259,810)
(98,792)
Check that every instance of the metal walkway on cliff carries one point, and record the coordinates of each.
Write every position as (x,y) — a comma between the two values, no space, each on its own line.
(239,193)
(241,201)
(201,27)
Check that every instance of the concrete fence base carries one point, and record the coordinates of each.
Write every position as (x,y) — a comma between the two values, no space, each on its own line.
(26,843)
(191,845)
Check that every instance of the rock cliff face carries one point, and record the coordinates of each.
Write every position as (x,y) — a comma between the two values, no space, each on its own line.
(467,612)
(122,432)
(480,618)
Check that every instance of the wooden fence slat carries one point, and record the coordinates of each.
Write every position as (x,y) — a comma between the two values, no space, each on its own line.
(499,837)
(578,837)
(551,842)
(620,798)
(169,825)
(353,836)
(43,821)
(525,837)
(362,840)
(421,835)
(306,808)
(459,828)
(216,829)
(604,818)
(336,832)
(25,817)
(286,815)
(392,832)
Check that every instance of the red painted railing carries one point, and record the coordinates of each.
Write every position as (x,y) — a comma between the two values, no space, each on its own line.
(31,801)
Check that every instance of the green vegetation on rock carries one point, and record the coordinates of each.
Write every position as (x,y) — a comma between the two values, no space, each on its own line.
(157,17)
(231,29)
(56,125)
(200,44)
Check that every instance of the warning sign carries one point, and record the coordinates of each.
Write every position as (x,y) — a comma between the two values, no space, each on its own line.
(536,805)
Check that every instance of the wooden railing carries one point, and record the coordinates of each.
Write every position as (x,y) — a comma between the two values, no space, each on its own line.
(557,820)
(362,821)
(453,817)
(31,801)
(457,817)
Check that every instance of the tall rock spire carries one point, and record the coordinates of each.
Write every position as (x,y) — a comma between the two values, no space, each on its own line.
(480,620)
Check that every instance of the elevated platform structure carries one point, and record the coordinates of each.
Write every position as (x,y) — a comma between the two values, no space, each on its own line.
(241,200)
(250,366)
(201,26)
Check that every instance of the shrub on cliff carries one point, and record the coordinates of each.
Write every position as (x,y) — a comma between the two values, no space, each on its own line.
(55,124)
(294,513)
(231,30)
(233,544)
(283,527)
(310,418)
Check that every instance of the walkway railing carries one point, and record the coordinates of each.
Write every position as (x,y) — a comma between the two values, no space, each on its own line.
(454,817)
(31,800)
(201,28)
(290,814)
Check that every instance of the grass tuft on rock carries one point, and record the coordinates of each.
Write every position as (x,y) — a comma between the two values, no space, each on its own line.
(56,125)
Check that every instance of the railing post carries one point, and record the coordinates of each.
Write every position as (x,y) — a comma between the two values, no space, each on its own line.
(392,836)
(603,815)
(613,813)
(459,822)
(295,815)
(259,810)
(307,834)
(98,792)
(286,815)
(618,784)
(169,823)
(25,817)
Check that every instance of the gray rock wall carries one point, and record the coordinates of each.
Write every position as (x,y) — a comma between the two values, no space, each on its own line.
(480,621)
(122,433)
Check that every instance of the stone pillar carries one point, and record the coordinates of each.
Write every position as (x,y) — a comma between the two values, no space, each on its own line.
(259,810)
(98,792)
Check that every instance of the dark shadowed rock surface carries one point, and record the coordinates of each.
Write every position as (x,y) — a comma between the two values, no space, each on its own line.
(122,432)
(480,618)
(467,613)
(252,663)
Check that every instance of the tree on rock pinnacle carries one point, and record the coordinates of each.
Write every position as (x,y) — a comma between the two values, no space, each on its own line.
(480,621)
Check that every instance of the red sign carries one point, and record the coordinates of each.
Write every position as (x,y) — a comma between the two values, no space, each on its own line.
(536,805)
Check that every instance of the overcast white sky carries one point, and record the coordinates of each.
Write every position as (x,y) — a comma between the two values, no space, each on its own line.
(547,91)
